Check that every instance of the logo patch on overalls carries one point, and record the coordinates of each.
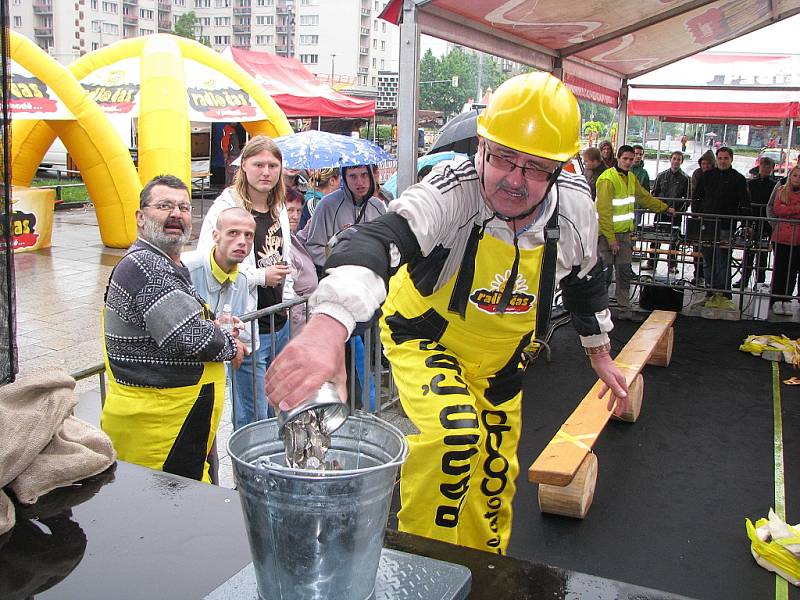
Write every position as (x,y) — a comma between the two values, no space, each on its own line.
(487,300)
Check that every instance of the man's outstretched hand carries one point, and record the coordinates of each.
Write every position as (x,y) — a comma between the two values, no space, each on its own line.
(315,356)
(613,380)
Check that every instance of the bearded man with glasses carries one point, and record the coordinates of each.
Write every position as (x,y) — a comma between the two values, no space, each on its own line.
(471,257)
(164,351)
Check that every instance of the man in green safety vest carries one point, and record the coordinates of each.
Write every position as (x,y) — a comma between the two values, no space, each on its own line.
(618,193)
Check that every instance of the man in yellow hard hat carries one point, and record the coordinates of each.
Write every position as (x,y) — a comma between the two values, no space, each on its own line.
(470,258)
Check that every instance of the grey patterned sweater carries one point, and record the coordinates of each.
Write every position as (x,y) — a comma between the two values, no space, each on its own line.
(157,328)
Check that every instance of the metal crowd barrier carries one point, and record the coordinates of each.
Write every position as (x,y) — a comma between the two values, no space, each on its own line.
(685,241)
(58,186)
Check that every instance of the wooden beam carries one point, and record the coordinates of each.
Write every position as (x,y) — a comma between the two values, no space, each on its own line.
(561,458)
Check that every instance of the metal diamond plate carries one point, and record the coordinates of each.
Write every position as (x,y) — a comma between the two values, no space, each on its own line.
(400,576)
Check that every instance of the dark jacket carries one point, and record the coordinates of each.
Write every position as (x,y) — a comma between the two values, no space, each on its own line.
(709,156)
(760,190)
(591,176)
(671,185)
(721,193)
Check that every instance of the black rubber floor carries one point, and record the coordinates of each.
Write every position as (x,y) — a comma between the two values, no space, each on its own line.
(673,489)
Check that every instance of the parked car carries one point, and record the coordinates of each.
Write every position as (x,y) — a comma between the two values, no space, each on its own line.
(782,165)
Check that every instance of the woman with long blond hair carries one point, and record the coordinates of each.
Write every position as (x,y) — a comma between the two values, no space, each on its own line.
(258,187)
(785,204)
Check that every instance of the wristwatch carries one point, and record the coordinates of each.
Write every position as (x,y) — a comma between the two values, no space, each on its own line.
(598,349)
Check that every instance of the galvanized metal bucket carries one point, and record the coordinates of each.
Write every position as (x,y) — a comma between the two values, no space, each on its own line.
(317,534)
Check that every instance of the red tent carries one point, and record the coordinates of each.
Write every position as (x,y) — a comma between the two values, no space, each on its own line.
(296,90)
(721,87)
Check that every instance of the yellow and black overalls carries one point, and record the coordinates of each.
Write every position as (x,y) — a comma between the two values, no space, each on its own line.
(456,362)
(166,428)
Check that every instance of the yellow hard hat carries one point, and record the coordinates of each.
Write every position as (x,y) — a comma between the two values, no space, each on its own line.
(534,113)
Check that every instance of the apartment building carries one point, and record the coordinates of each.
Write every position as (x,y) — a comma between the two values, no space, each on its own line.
(338,40)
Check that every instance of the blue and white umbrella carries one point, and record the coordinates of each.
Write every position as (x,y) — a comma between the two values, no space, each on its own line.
(423,161)
(320,149)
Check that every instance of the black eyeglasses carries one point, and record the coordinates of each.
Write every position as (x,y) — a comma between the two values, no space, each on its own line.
(169,206)
(529,172)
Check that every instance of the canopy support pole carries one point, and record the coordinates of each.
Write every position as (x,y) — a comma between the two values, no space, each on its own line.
(658,146)
(407,102)
(622,126)
(319,122)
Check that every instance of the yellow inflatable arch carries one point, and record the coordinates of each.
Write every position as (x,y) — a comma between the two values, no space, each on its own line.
(164,130)
(103,159)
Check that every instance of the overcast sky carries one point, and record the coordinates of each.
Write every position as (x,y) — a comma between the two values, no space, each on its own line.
(780,37)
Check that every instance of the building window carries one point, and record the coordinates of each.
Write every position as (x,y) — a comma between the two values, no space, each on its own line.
(222,21)
(383,26)
(374,62)
(383,65)
(383,45)
(202,3)
(146,31)
(308,3)
(95,45)
(110,7)
(264,2)
(309,59)
(222,40)
(203,21)
(309,40)
(263,40)
(180,2)
(145,13)
(17,21)
(265,20)
(222,4)
(309,19)
(375,44)
(111,28)
(96,26)
(93,4)
(242,40)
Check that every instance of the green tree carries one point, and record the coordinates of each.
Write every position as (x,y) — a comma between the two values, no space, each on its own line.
(185,27)
(429,71)
(456,63)
(464,65)
(595,127)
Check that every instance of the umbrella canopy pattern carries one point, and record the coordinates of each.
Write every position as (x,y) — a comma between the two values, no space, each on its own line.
(320,149)
(423,161)
(459,134)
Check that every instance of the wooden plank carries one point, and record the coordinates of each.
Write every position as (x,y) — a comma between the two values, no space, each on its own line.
(563,455)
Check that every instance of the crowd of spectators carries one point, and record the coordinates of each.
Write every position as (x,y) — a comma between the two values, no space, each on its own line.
(721,199)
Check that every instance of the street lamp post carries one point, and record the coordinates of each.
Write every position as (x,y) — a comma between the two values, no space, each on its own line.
(333,62)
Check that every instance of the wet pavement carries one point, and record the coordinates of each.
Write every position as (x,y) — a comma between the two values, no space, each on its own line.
(59,292)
